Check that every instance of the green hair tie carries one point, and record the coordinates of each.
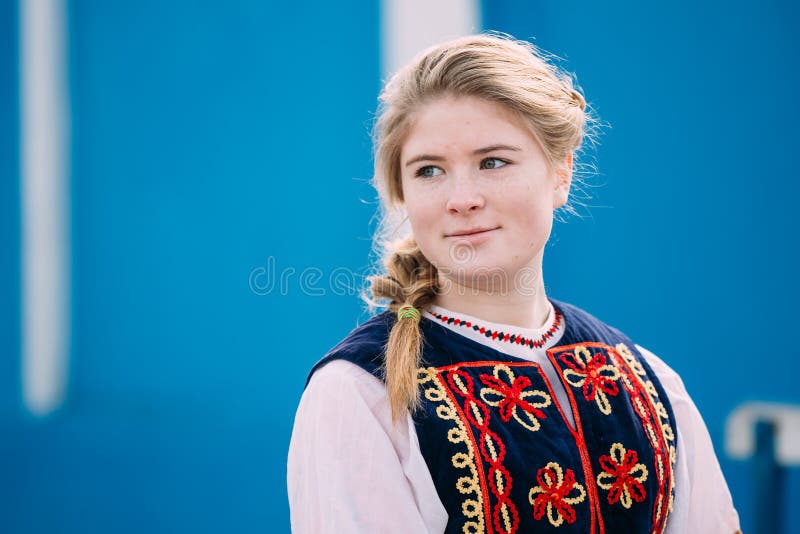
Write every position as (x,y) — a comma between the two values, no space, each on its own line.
(408,312)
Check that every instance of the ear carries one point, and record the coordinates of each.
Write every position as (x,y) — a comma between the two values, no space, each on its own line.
(563,182)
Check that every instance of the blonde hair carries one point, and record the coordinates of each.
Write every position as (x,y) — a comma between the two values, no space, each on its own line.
(492,66)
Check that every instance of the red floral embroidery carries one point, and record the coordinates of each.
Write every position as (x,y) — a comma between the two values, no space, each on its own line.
(556,493)
(622,476)
(511,396)
(593,374)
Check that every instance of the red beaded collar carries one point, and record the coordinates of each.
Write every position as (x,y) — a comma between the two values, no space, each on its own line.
(508,337)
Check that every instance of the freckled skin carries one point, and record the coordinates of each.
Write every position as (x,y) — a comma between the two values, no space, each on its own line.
(464,191)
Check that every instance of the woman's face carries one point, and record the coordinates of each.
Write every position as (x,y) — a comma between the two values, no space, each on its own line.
(470,167)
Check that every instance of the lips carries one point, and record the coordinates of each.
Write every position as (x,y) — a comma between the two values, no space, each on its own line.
(471,231)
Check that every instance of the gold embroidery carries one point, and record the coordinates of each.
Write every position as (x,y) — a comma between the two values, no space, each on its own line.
(630,359)
(472,507)
(490,446)
(665,428)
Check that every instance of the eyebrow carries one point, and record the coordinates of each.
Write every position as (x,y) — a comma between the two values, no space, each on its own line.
(484,150)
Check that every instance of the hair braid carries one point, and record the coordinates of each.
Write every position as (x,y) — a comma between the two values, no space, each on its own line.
(410,280)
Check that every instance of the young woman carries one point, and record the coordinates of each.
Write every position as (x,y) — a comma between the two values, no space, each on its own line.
(476,403)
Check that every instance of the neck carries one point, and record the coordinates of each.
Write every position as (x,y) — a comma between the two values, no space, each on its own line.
(524,306)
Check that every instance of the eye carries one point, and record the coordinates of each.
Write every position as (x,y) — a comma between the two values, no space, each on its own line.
(492,163)
(424,171)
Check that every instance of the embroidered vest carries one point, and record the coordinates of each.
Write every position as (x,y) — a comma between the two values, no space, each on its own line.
(503,457)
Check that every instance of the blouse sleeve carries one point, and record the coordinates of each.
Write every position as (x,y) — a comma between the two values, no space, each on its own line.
(349,469)
(702,500)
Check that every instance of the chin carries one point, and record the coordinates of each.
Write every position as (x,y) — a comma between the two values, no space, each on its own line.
(479,275)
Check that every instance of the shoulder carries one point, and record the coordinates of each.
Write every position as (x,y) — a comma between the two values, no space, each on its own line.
(345,408)
(363,346)
(583,324)
(339,379)
(340,396)
(702,500)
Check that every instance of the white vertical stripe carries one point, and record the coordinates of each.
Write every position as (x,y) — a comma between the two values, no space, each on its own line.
(410,26)
(44,188)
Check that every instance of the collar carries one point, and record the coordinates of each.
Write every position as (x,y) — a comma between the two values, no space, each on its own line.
(527,343)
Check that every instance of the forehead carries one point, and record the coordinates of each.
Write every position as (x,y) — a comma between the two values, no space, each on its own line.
(464,123)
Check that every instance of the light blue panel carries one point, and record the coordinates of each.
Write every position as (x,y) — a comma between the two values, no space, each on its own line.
(690,243)
(207,138)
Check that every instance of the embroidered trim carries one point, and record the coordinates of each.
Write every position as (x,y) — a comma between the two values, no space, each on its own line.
(505,518)
(600,377)
(444,385)
(472,507)
(507,336)
(580,443)
(652,412)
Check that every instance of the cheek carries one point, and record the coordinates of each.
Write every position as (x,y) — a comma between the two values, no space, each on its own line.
(422,225)
(421,210)
(534,219)
(416,217)
(426,226)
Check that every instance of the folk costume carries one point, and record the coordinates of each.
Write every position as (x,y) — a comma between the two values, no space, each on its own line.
(571,428)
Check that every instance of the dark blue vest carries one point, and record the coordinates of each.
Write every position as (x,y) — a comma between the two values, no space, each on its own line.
(502,455)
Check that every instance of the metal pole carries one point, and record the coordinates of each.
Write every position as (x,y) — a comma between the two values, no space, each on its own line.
(769,480)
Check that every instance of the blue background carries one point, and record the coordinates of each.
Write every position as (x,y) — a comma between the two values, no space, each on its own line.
(209,142)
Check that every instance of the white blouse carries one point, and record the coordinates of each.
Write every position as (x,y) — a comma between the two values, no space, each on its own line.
(350,470)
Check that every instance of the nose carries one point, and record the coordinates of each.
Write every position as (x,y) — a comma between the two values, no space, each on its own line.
(464,199)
